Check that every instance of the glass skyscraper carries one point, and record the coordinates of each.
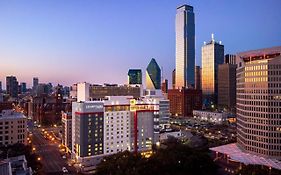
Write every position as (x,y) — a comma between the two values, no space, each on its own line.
(212,56)
(134,76)
(185,47)
(153,75)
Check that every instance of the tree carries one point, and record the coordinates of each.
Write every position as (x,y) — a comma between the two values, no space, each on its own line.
(21,149)
(257,170)
(175,159)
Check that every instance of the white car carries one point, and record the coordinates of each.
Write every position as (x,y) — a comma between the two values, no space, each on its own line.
(64,157)
(64,170)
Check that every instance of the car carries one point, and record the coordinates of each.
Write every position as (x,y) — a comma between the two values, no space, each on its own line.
(64,170)
(64,157)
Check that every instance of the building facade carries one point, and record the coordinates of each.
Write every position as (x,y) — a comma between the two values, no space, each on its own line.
(135,76)
(259,101)
(230,59)
(66,119)
(101,91)
(13,128)
(35,83)
(198,75)
(12,86)
(211,117)
(184,101)
(185,47)
(153,75)
(227,86)
(174,79)
(212,56)
(164,86)
(115,124)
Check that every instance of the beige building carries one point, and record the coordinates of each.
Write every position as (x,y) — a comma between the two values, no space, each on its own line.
(13,128)
(259,102)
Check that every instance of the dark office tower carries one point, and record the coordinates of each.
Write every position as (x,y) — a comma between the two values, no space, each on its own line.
(230,59)
(212,56)
(185,47)
(0,86)
(153,75)
(227,86)
(23,88)
(198,72)
(134,76)
(258,102)
(164,86)
(174,79)
(35,83)
(12,86)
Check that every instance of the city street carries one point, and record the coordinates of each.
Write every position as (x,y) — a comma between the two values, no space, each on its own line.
(50,155)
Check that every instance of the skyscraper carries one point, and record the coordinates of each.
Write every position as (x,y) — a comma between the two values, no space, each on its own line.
(185,47)
(35,83)
(134,76)
(212,56)
(23,88)
(259,101)
(12,86)
(0,86)
(153,75)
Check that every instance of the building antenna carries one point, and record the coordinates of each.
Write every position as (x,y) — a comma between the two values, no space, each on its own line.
(213,37)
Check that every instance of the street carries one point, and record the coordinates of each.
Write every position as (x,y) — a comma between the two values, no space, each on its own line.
(50,155)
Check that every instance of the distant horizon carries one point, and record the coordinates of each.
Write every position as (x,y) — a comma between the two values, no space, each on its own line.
(65,42)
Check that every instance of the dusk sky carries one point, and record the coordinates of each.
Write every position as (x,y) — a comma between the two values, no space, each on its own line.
(67,41)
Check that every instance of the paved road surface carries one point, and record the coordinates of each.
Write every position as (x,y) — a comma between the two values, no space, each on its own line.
(50,155)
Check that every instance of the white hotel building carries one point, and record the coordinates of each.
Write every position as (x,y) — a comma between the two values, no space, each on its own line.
(113,125)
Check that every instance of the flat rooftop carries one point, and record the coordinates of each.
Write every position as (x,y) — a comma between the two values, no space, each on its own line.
(10,114)
(236,154)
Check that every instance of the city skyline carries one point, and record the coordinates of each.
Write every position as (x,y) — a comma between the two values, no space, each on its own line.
(51,44)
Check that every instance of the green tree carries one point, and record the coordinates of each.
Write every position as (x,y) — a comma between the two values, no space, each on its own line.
(175,159)
(21,149)
(258,170)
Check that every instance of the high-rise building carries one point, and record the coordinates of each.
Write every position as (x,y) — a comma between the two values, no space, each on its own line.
(153,75)
(184,101)
(164,86)
(87,132)
(116,124)
(174,79)
(134,76)
(198,74)
(259,101)
(0,86)
(12,86)
(212,56)
(185,47)
(35,83)
(227,86)
(23,88)
(230,59)
(83,92)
